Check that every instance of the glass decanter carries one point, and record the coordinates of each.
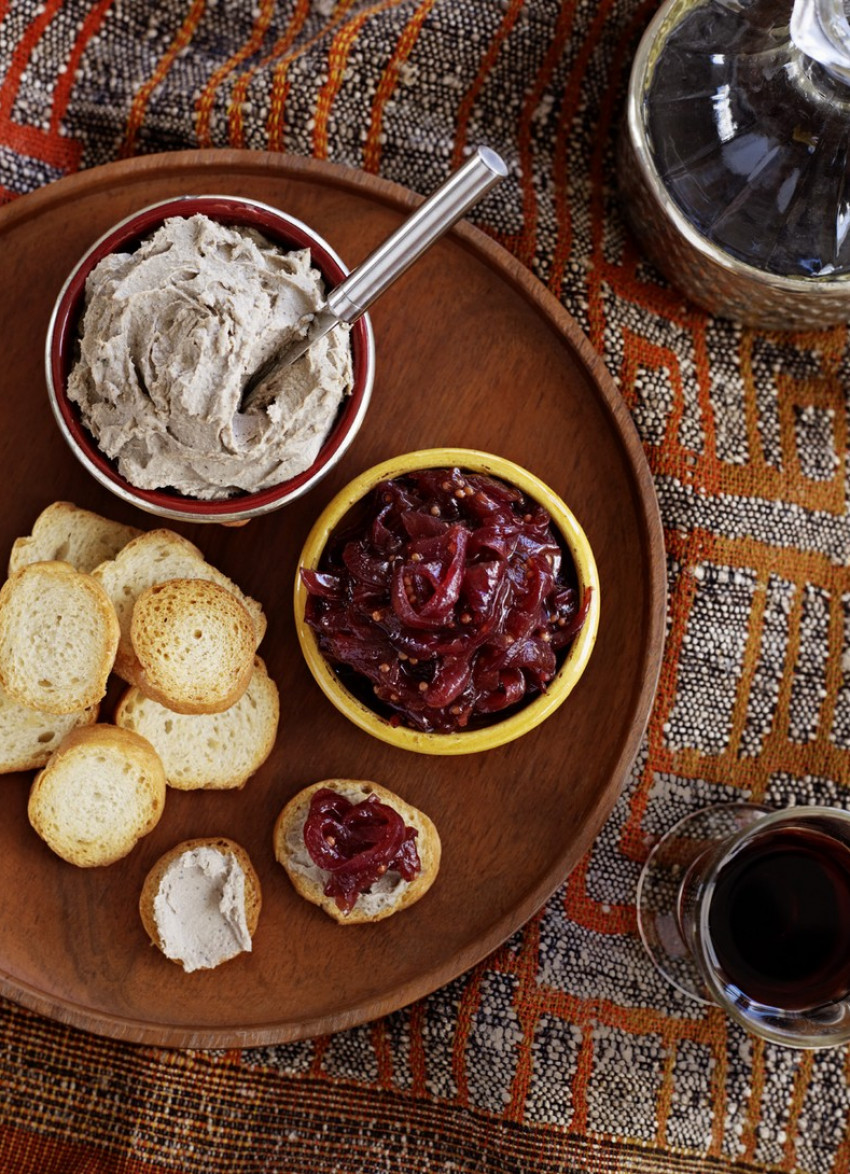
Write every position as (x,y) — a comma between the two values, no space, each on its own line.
(739,129)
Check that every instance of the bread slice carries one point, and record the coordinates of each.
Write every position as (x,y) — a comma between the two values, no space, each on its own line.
(155,557)
(100,792)
(200,903)
(216,751)
(388,895)
(28,737)
(58,638)
(194,646)
(64,532)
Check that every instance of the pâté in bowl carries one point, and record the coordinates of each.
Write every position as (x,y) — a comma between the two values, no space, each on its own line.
(158,330)
(447,601)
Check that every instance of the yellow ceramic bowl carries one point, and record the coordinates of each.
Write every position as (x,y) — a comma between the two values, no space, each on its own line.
(533,712)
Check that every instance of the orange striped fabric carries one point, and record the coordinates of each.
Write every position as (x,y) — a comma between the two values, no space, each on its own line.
(563,1051)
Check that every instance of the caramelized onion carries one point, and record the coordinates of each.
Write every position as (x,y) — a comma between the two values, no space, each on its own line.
(357,844)
(450,595)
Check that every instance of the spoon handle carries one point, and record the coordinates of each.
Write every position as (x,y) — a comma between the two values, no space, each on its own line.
(353,297)
(465,187)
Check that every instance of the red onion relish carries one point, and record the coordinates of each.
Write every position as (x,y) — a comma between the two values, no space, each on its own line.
(357,844)
(449,594)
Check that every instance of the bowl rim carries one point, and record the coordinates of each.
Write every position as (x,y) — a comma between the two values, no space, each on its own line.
(240,210)
(570,670)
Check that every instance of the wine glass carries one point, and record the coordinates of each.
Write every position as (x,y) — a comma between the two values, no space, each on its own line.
(748,907)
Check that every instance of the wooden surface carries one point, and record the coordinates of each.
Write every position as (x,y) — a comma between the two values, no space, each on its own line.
(471,351)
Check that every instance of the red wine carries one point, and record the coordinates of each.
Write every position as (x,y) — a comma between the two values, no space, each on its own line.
(779,919)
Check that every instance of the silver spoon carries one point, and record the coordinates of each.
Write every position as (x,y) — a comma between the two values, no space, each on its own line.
(350,299)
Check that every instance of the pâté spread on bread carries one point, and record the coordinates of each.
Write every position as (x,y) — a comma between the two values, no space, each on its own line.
(444,598)
(170,336)
(200,903)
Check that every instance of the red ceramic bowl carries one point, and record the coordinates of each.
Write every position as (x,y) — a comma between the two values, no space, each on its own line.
(62,337)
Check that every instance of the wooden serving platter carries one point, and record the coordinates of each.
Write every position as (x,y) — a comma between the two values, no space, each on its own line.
(471,351)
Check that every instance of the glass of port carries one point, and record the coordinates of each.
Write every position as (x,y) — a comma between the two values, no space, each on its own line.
(748,908)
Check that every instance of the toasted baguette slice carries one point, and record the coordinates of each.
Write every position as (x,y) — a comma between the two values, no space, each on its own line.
(388,895)
(100,792)
(64,532)
(58,638)
(216,751)
(28,737)
(200,903)
(194,646)
(155,557)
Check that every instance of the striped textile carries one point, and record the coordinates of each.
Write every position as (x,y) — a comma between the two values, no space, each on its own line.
(563,1051)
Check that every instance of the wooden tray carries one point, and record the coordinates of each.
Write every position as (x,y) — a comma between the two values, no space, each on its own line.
(472,351)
